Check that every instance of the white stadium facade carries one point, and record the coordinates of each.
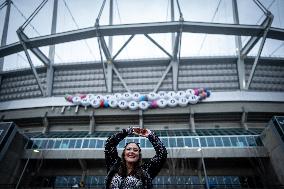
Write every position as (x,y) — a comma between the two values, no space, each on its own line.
(208,80)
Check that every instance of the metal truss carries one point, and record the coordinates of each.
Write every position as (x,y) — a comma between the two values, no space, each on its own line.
(256,32)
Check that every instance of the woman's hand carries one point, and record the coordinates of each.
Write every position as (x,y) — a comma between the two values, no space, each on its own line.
(141,132)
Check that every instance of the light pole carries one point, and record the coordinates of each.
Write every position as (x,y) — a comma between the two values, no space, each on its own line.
(203,164)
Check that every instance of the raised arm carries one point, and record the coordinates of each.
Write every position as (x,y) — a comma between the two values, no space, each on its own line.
(156,163)
(111,155)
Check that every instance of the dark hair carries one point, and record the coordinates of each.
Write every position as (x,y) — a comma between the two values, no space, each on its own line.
(137,171)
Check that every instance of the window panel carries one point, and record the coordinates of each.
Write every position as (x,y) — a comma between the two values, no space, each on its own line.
(242,141)
(203,142)
(64,144)
(92,143)
(57,143)
(72,143)
(210,142)
(50,143)
(234,141)
(187,142)
(180,142)
(86,143)
(218,141)
(78,143)
(100,143)
(226,141)
(195,142)
(172,142)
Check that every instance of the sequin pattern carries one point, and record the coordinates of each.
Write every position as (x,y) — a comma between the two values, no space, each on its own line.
(151,168)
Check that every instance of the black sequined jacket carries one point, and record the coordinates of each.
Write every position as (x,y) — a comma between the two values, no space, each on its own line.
(151,168)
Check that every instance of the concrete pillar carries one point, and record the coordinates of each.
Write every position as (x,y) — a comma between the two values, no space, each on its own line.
(141,122)
(92,123)
(244,119)
(45,124)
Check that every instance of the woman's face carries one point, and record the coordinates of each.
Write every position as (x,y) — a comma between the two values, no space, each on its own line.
(131,153)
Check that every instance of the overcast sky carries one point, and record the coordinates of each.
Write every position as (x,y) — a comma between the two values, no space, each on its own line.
(84,13)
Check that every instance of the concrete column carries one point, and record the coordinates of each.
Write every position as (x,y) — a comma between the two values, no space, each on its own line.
(244,119)
(92,123)
(50,69)
(45,124)
(141,122)
(4,34)
(191,121)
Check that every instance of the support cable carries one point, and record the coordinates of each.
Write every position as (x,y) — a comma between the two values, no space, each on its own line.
(213,18)
(276,49)
(72,17)
(22,14)
(120,21)
(30,24)
(33,14)
(272,2)
(179,9)
(261,6)
(3,4)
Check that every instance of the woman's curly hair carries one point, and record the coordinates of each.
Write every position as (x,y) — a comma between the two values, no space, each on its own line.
(137,171)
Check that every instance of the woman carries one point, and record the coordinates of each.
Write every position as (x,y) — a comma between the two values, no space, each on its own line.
(128,172)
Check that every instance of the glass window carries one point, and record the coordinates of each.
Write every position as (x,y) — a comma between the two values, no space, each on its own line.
(235,180)
(72,143)
(187,142)
(92,143)
(165,142)
(78,143)
(258,141)
(220,179)
(100,143)
(195,180)
(43,144)
(37,144)
(212,180)
(218,141)
(242,141)
(234,141)
(227,180)
(64,144)
(30,144)
(148,144)
(180,142)
(251,141)
(57,143)
(172,142)
(203,142)
(50,143)
(142,142)
(121,144)
(226,141)
(195,142)
(86,143)
(210,141)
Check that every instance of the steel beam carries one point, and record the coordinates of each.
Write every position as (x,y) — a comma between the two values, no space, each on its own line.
(123,46)
(158,45)
(50,69)
(163,77)
(111,67)
(254,39)
(144,28)
(259,52)
(238,40)
(36,51)
(4,34)
(31,63)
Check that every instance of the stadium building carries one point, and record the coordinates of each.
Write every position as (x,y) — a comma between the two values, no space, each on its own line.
(208,80)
